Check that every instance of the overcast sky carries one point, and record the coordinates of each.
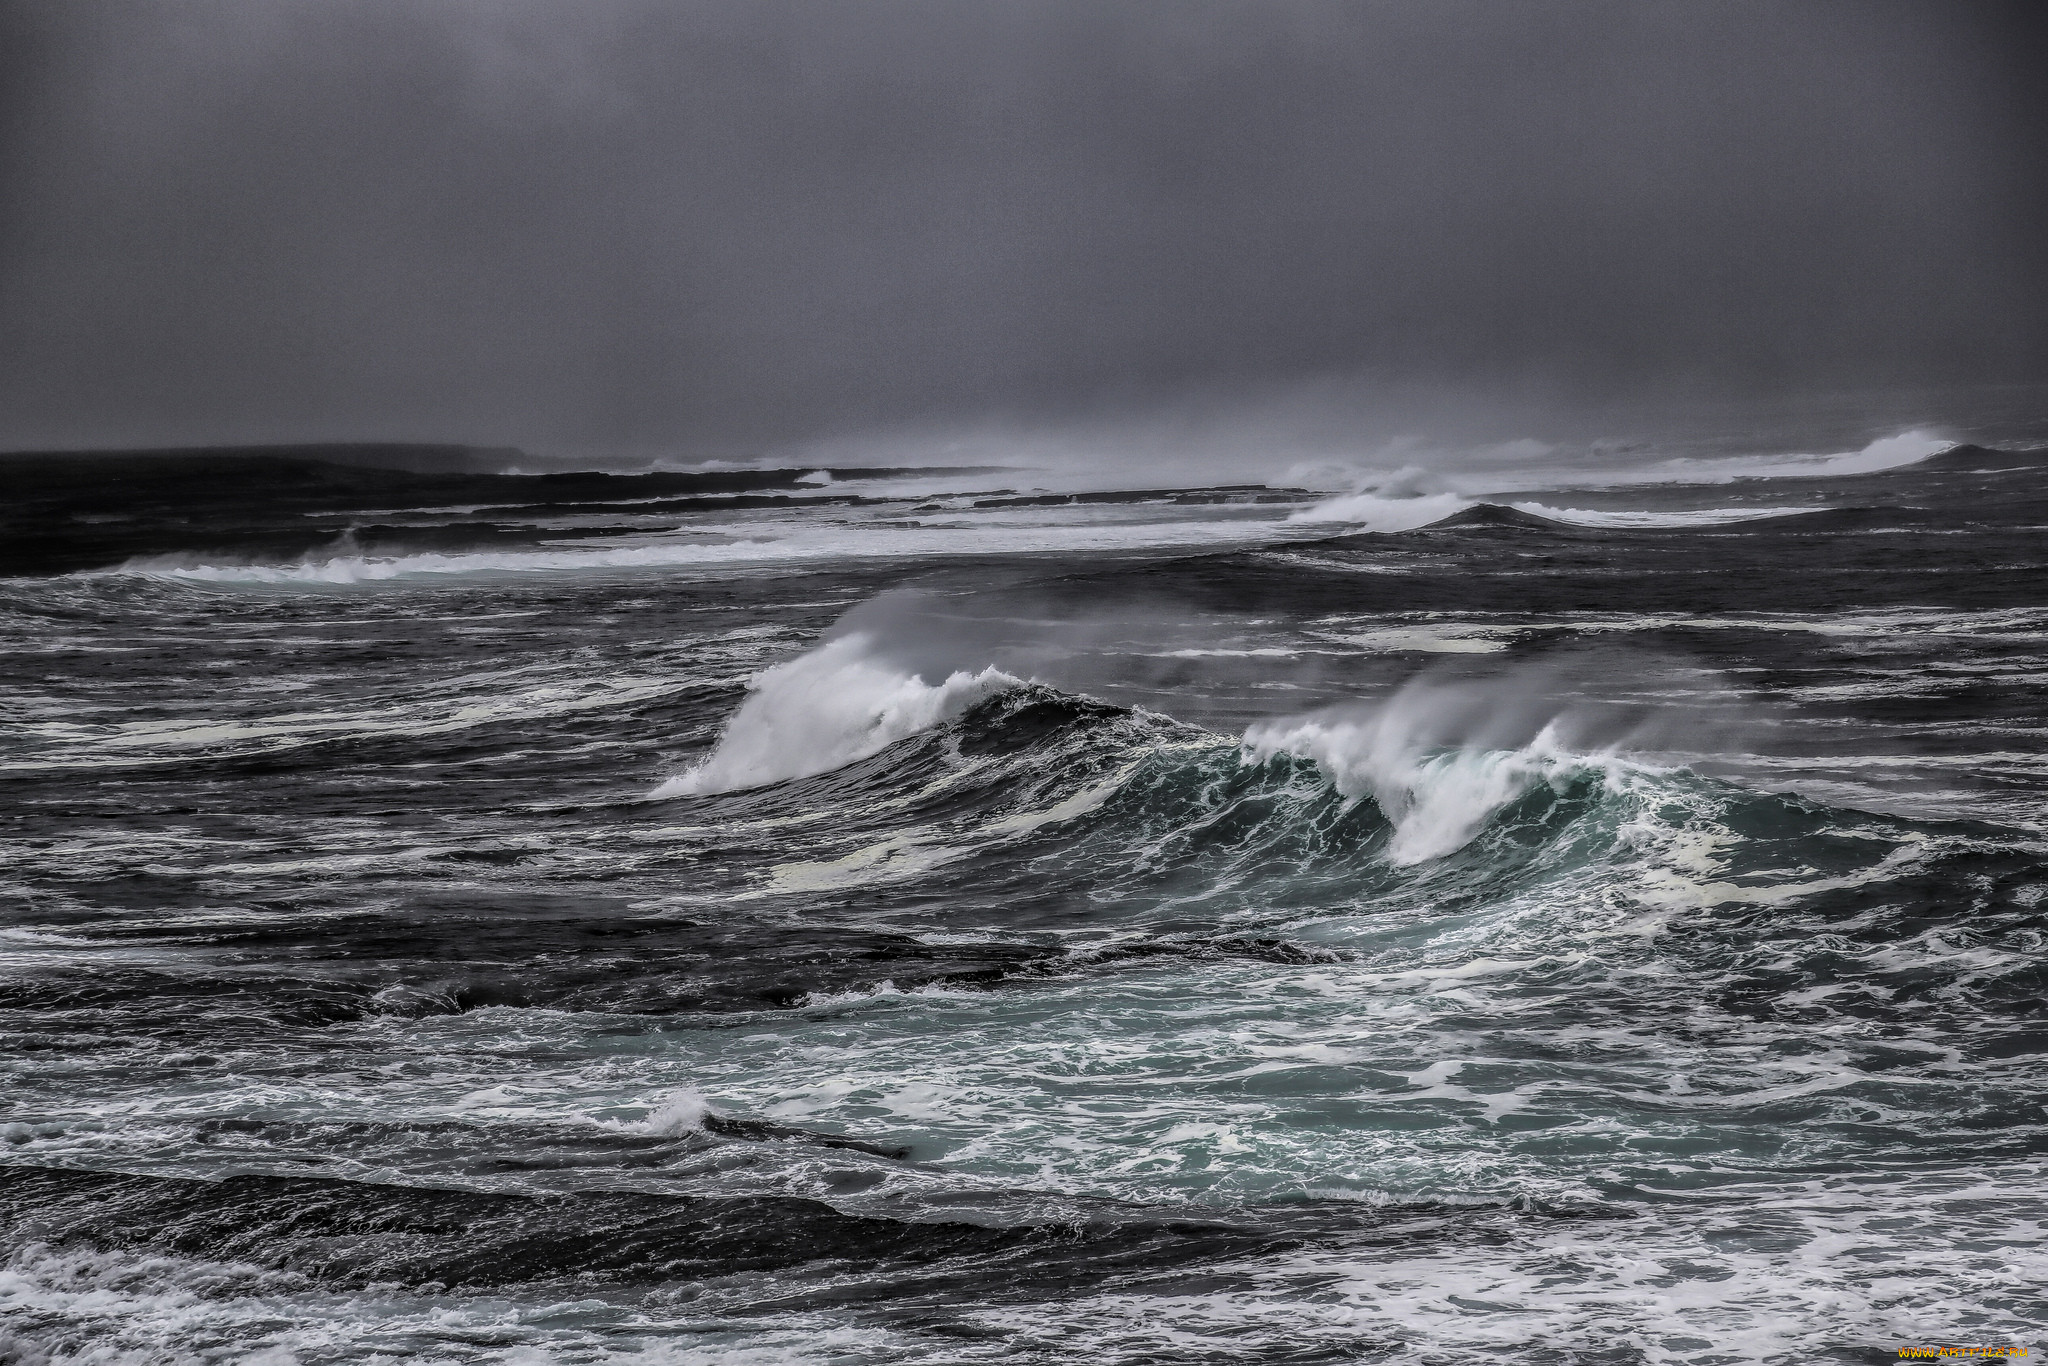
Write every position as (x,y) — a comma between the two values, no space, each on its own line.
(582,224)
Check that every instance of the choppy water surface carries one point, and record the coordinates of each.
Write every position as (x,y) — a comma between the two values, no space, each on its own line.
(955,923)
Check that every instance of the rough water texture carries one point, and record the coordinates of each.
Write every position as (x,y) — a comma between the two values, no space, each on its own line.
(746,917)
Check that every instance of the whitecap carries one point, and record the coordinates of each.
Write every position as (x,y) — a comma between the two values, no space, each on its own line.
(1694,517)
(1439,759)
(1436,802)
(1375,511)
(826,709)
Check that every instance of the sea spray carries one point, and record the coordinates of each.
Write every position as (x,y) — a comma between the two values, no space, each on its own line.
(1440,759)
(824,710)
(1398,500)
(681,1113)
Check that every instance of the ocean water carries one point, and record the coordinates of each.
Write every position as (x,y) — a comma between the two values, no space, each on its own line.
(873,916)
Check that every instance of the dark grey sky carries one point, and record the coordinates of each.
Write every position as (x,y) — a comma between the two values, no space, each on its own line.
(593,223)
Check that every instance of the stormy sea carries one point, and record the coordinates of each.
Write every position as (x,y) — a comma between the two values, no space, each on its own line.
(460,908)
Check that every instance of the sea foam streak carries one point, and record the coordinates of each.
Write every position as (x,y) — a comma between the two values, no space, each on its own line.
(824,710)
(341,569)
(751,546)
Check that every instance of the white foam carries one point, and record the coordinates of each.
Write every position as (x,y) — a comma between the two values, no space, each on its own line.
(1436,803)
(1885,453)
(67,1306)
(824,710)
(1438,760)
(1380,510)
(1431,637)
(1591,517)
(1375,511)
(1526,467)
(899,858)
(683,1112)
(373,568)
(801,537)
(1380,500)
(479,700)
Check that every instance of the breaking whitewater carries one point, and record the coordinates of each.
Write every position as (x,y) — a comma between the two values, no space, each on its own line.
(749,915)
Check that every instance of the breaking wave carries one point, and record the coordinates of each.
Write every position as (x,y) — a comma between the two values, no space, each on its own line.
(1412,497)
(1897,451)
(824,710)
(1375,511)
(1435,800)
(782,542)
(1669,520)
(1393,784)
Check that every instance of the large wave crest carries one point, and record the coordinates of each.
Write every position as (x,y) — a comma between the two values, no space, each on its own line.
(1439,760)
(825,709)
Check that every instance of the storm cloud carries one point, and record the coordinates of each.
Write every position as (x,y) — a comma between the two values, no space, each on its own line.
(705,226)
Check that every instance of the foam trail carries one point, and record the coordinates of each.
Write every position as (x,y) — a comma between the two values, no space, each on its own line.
(824,710)
(789,542)
(1588,517)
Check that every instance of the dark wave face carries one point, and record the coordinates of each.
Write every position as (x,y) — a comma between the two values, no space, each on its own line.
(750,916)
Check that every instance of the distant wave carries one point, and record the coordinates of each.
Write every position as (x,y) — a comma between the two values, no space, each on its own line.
(1694,517)
(374,568)
(1885,453)
(1410,497)
(1377,512)
(958,536)
(1372,512)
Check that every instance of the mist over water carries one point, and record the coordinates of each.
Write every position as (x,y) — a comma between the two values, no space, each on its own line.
(645,229)
(825,710)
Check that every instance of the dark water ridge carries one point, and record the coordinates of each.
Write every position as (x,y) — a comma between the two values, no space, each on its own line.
(1507,935)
